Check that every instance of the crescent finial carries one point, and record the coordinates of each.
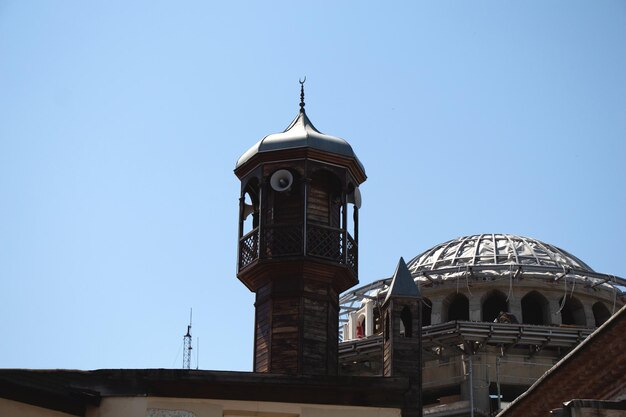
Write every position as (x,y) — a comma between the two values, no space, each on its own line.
(302,94)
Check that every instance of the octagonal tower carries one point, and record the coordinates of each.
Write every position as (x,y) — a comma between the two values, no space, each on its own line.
(298,244)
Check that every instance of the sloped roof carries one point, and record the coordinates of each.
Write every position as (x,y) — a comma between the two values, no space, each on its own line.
(402,284)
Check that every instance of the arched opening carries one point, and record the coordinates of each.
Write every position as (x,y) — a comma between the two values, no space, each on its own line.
(427,310)
(535,309)
(406,322)
(493,304)
(353,198)
(600,313)
(249,219)
(360,327)
(250,207)
(378,328)
(573,312)
(456,307)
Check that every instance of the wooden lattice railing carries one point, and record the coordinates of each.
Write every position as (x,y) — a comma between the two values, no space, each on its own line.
(249,248)
(323,242)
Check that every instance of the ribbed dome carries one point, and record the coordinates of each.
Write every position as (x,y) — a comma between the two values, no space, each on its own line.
(497,250)
(300,134)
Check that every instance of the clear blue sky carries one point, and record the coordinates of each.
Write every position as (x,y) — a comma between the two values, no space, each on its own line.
(120,125)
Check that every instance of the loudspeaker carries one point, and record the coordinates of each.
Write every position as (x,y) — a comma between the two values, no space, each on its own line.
(355,197)
(281,180)
(248,209)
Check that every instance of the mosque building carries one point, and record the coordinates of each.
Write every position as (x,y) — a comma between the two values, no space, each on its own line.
(463,329)
(498,312)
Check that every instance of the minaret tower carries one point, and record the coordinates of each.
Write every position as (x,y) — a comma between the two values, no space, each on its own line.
(298,243)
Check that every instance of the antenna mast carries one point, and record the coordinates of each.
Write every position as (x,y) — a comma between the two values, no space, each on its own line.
(187,348)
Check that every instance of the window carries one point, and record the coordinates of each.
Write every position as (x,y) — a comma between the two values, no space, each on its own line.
(406,319)
(494,303)
(573,312)
(535,309)
(600,313)
(456,307)
(427,309)
(360,327)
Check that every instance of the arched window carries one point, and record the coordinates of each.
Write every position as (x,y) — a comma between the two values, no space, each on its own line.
(406,325)
(600,313)
(353,197)
(378,328)
(250,206)
(360,327)
(493,304)
(573,312)
(456,307)
(427,309)
(535,309)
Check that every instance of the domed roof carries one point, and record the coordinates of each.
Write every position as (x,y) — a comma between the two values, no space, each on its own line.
(494,250)
(300,134)
(489,258)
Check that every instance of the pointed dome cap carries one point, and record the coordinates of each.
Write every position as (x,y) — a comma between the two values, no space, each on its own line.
(300,134)
(402,284)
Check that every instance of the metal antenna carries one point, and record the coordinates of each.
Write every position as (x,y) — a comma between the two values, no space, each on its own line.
(302,94)
(187,348)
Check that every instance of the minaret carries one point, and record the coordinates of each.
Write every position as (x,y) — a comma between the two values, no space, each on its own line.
(297,248)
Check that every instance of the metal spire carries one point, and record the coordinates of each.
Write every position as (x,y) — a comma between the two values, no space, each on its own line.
(302,94)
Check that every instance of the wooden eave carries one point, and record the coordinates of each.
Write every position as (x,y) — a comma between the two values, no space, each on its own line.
(36,387)
(302,153)
(258,272)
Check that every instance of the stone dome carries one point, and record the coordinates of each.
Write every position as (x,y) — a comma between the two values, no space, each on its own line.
(487,251)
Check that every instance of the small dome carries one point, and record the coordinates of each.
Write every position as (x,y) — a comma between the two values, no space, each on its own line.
(494,250)
(300,134)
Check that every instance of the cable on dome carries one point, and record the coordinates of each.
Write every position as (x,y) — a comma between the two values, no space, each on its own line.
(564,297)
(614,293)
(510,283)
(467,281)
(571,294)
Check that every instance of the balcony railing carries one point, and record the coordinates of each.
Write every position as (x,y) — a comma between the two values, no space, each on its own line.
(279,241)
(249,248)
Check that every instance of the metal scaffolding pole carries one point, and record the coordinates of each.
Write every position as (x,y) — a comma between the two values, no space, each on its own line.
(471,384)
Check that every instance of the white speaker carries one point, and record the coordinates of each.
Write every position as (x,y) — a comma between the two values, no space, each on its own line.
(355,197)
(281,180)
